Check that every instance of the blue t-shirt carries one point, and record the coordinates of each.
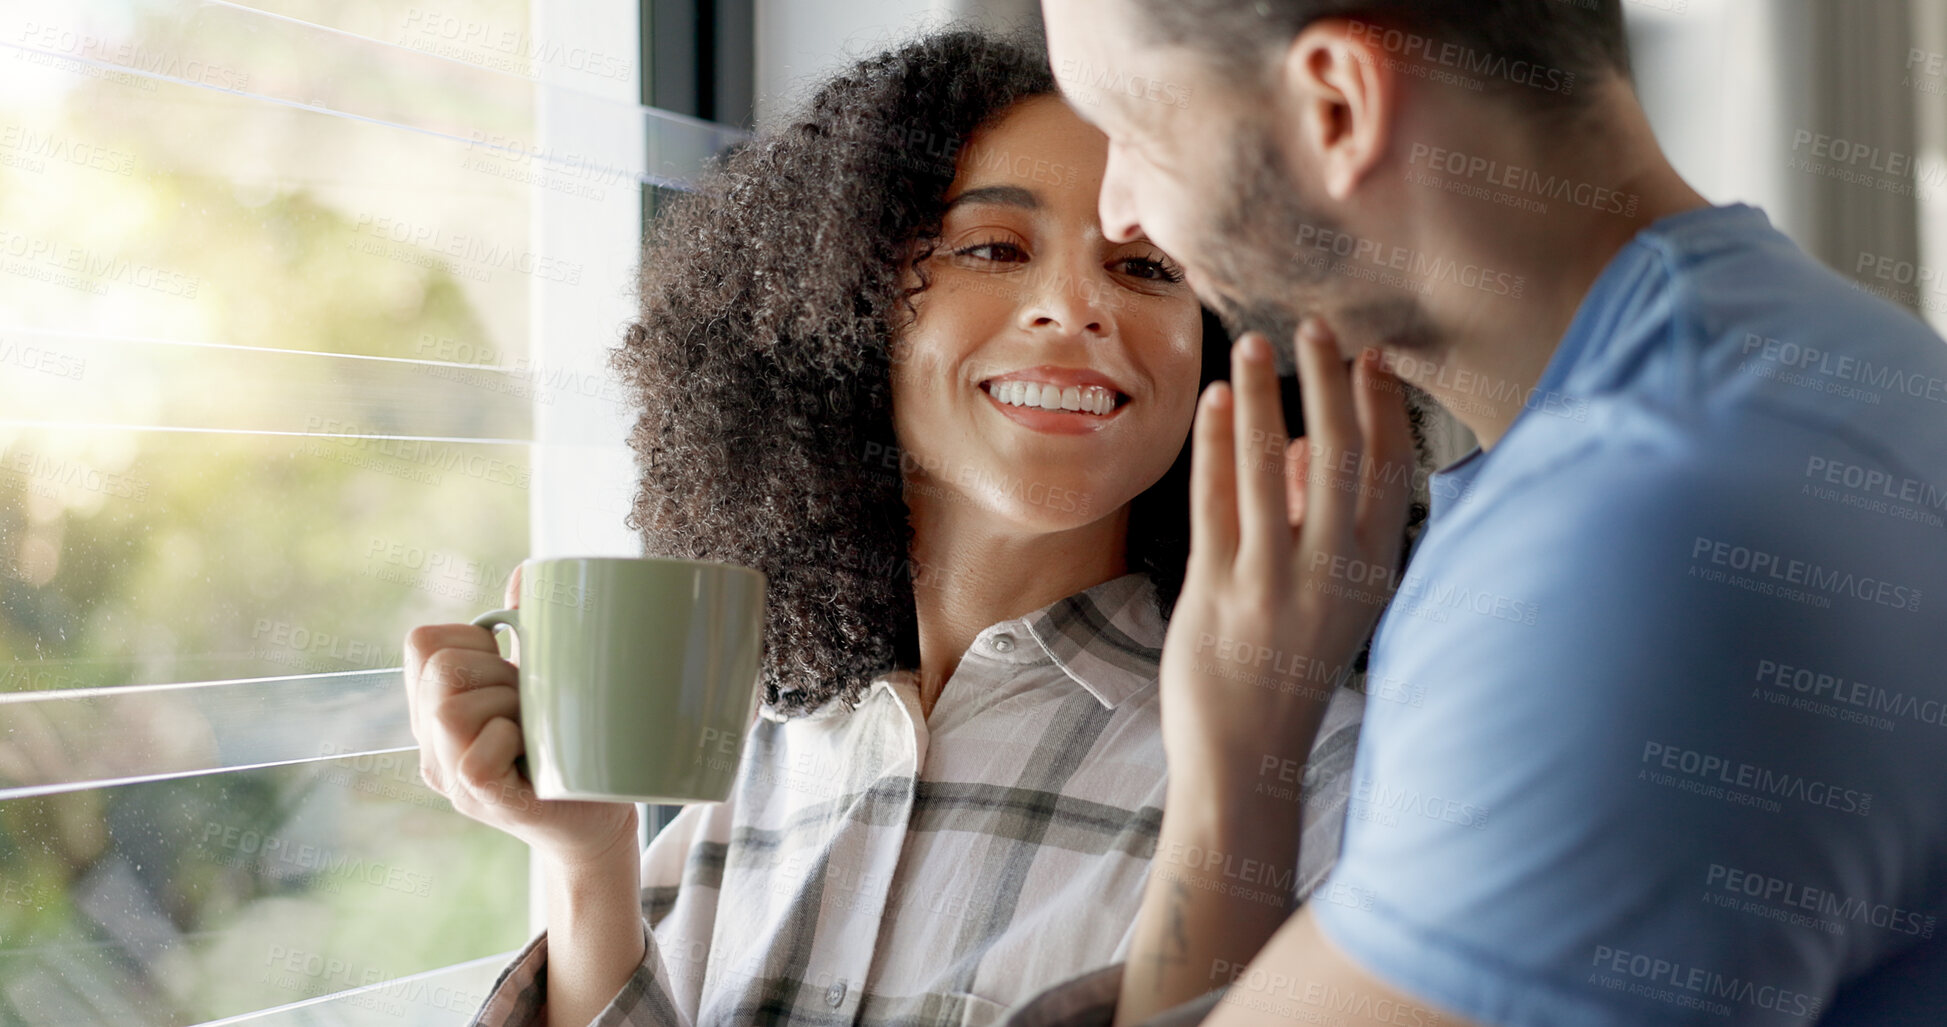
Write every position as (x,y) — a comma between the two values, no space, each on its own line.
(1658,718)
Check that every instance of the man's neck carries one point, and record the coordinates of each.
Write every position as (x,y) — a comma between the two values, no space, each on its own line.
(1610,181)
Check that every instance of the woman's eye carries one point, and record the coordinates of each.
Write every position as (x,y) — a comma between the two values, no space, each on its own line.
(1153,270)
(999,252)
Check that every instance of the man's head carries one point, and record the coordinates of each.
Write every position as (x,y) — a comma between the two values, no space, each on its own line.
(1270,145)
(1584,37)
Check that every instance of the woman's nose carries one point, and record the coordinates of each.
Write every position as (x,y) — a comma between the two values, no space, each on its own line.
(1068,301)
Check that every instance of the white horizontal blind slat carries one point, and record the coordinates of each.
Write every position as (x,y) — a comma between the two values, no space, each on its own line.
(89,738)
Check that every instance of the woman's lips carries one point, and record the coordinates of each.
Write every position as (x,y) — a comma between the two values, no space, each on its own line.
(1058,422)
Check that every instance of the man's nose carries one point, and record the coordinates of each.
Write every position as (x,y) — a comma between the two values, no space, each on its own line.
(1116,205)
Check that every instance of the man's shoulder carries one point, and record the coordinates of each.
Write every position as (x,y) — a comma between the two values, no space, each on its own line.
(1698,431)
(1715,313)
(1621,474)
(1650,540)
(1749,330)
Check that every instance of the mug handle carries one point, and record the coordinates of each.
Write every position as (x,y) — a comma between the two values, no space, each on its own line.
(511,619)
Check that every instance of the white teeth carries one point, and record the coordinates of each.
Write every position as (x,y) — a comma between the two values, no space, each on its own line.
(1092,399)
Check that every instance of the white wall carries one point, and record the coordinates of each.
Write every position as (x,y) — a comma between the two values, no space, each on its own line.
(1733,87)
(799,42)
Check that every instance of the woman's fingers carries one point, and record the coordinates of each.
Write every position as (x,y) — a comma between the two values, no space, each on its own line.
(422,643)
(1297,465)
(450,671)
(414,664)
(1264,532)
(462,714)
(1213,482)
(1332,432)
(485,770)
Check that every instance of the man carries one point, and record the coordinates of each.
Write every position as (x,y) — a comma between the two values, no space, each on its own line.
(1655,727)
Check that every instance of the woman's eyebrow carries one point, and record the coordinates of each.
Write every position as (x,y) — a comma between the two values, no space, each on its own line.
(1010,195)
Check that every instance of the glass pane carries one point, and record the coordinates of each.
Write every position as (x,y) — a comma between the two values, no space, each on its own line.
(211,216)
(181,901)
(135,558)
(497,35)
(64,741)
(208,173)
(284,289)
(149,383)
(436,997)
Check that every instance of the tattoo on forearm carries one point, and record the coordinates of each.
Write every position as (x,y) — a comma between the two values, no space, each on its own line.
(1174,948)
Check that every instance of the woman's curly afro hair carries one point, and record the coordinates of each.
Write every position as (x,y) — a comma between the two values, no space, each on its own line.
(761,360)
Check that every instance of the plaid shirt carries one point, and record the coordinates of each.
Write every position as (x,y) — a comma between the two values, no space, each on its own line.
(873,866)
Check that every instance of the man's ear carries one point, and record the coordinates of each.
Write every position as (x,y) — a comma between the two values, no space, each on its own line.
(1337,99)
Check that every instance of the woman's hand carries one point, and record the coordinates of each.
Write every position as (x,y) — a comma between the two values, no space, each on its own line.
(1295,547)
(466,716)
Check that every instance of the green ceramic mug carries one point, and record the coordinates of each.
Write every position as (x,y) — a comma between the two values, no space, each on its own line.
(638,675)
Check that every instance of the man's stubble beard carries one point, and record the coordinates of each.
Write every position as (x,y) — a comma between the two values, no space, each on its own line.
(1258,276)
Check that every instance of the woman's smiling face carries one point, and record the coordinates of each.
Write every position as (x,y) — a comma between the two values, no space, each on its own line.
(1048,376)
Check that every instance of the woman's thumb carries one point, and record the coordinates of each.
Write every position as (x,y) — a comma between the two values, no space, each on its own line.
(513,599)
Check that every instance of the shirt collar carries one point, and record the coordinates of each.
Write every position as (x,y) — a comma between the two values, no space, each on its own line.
(1108,638)
(1608,304)
(1618,290)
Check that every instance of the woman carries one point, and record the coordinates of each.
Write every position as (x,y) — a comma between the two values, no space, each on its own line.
(886,357)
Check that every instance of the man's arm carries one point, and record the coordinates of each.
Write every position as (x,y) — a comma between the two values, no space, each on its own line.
(1302,977)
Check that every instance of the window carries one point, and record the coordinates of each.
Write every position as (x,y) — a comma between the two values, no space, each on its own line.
(304,306)
(1831,117)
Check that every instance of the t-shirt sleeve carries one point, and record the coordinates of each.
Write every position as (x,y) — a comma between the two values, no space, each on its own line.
(1645,780)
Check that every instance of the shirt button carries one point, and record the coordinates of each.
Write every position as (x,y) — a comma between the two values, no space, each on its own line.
(1003,643)
(836,994)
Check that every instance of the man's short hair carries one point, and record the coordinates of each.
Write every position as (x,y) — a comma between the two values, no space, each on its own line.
(1538,50)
